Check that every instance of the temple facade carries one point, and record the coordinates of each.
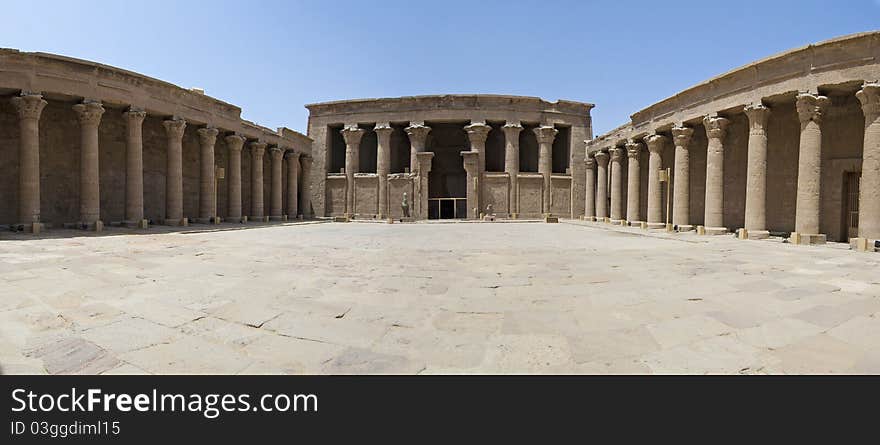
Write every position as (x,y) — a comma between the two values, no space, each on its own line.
(444,157)
(788,145)
(83,145)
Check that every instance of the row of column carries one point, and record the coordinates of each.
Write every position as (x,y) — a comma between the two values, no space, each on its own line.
(810,110)
(30,106)
(477,132)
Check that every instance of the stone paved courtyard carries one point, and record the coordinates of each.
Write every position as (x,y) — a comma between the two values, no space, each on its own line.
(434,298)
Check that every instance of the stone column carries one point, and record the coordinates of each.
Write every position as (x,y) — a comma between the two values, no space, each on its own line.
(292,184)
(601,185)
(634,183)
(756,174)
(511,165)
(29,108)
(869,186)
(305,201)
(655,144)
(424,160)
(276,204)
(258,149)
(716,128)
(233,178)
(207,184)
(477,133)
(134,169)
(174,173)
(383,165)
(89,116)
(616,185)
(418,135)
(681,188)
(545,136)
(590,198)
(352,135)
(471,160)
(810,109)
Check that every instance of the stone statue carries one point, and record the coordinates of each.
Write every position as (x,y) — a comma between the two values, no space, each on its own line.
(490,210)
(405,206)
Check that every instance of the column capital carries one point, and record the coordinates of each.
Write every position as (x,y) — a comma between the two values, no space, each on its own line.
(811,107)
(716,126)
(477,132)
(511,130)
(383,128)
(234,141)
(208,136)
(601,158)
(590,163)
(292,155)
(655,142)
(134,115)
(633,148)
(616,153)
(174,127)
(681,136)
(89,113)
(352,134)
(305,160)
(757,114)
(277,152)
(869,96)
(29,106)
(258,148)
(545,134)
(418,131)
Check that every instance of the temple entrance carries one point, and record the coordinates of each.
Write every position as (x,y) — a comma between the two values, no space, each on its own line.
(447,182)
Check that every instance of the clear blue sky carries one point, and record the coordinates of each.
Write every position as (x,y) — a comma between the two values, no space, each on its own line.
(272,57)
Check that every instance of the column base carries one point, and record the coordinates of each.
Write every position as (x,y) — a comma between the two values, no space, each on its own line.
(865,244)
(804,239)
(617,222)
(32,227)
(550,219)
(752,234)
(590,218)
(634,223)
(656,225)
(343,219)
(183,222)
(91,226)
(514,216)
(684,227)
(136,224)
(703,230)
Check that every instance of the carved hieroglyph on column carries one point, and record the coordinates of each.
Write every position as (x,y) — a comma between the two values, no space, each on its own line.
(655,143)
(305,201)
(258,150)
(545,136)
(471,160)
(756,174)
(511,164)
(616,185)
(89,116)
(601,185)
(477,133)
(633,182)
(174,129)
(29,108)
(233,178)
(134,168)
(424,159)
(276,202)
(590,197)
(383,164)
(681,196)
(810,109)
(352,135)
(869,187)
(292,158)
(207,185)
(418,135)
(716,129)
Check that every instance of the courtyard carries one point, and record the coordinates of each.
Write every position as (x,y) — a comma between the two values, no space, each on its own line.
(341,298)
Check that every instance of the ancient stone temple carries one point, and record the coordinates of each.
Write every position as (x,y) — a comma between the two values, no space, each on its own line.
(85,145)
(455,155)
(789,144)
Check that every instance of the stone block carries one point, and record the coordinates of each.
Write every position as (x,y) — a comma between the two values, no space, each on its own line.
(551,219)
(715,231)
(807,238)
(137,224)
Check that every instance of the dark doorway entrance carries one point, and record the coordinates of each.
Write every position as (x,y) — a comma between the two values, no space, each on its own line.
(447,182)
(851,205)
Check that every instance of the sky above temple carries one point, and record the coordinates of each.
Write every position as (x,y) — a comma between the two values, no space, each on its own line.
(272,57)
